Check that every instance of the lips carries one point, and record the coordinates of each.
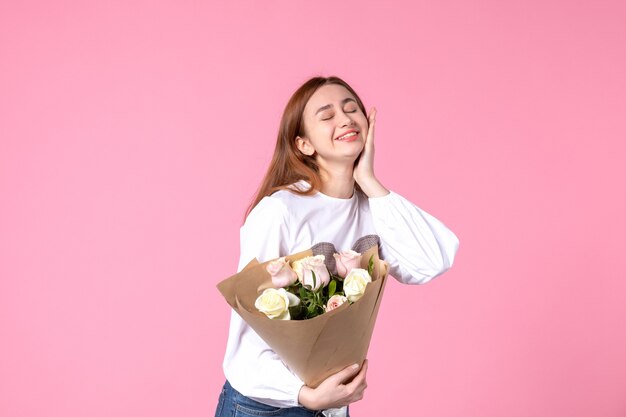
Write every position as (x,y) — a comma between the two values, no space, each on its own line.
(349,136)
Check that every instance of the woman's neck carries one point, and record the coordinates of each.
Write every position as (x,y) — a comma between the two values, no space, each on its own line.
(338,183)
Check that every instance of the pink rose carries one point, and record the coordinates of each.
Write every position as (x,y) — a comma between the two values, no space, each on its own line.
(335,301)
(347,260)
(281,272)
(306,267)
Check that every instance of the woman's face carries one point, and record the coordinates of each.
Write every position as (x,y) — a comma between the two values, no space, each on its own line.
(335,128)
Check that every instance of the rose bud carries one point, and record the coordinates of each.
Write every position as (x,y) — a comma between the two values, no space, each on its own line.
(355,282)
(335,301)
(306,267)
(281,273)
(275,303)
(347,260)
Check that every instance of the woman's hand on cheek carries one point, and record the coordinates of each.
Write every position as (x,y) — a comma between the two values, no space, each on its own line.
(364,170)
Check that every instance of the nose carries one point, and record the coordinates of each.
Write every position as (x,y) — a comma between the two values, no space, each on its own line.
(347,120)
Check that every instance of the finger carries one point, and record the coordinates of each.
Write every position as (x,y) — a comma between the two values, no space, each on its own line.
(346,373)
(360,377)
(372,125)
(364,368)
(357,387)
(372,116)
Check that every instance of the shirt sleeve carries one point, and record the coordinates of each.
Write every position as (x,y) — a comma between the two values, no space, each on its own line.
(417,246)
(256,370)
(265,233)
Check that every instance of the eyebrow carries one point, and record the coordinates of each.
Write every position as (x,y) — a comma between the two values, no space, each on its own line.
(328,106)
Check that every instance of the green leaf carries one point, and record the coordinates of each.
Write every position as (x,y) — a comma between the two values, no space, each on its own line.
(331,288)
(370,265)
(302,293)
(297,312)
(314,279)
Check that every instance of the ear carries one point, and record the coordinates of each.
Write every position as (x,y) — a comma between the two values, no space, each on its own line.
(304,145)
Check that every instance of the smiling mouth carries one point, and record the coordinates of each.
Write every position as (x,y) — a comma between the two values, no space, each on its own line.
(348,136)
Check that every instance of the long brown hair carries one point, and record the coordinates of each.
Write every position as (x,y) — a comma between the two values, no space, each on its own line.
(288,164)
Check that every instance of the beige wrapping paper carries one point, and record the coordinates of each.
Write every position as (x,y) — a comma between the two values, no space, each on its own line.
(319,347)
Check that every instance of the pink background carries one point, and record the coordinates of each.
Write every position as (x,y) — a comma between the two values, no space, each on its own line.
(134,133)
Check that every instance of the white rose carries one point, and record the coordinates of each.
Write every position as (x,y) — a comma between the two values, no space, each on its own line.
(306,267)
(355,282)
(275,303)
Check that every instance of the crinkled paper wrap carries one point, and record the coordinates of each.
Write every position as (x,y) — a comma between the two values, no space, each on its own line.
(315,348)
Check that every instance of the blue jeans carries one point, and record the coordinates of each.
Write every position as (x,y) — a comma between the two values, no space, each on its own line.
(232,403)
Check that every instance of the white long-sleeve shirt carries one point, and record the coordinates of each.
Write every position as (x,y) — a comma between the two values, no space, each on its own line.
(417,246)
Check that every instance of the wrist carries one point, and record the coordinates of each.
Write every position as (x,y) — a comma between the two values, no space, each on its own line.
(305,398)
(372,187)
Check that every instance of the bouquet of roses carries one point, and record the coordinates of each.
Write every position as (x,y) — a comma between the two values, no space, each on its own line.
(306,288)
(315,310)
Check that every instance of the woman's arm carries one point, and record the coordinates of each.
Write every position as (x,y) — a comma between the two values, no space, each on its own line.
(417,246)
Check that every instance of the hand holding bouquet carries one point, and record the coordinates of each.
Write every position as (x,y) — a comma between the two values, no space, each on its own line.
(316,309)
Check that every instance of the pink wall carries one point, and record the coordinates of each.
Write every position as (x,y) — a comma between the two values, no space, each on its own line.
(133,134)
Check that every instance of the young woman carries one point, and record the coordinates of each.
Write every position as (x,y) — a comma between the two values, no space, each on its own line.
(321,187)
